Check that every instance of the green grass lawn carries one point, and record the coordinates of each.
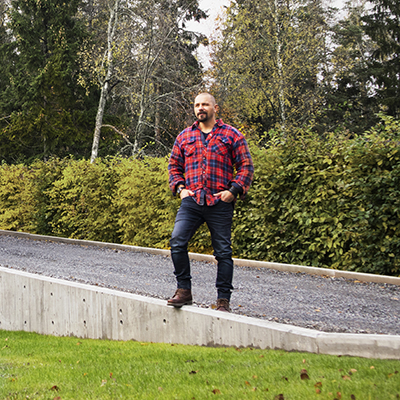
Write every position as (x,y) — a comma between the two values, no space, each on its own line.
(34,366)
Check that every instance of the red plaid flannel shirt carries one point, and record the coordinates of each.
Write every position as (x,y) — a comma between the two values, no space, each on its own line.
(210,168)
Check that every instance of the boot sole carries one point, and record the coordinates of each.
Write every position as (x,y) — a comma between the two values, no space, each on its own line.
(179,305)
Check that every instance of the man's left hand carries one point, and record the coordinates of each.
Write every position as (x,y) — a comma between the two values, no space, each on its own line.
(226,196)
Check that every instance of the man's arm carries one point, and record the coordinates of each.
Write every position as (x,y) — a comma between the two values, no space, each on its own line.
(244,166)
(176,168)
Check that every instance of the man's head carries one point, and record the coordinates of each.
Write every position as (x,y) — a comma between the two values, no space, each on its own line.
(205,107)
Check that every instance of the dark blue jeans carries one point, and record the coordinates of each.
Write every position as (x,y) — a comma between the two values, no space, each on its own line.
(219,221)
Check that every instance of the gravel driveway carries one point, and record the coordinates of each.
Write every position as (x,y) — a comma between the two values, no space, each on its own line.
(310,301)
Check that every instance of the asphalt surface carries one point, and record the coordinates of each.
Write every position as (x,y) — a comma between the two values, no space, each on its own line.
(322,303)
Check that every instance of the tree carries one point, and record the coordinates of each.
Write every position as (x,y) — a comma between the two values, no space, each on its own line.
(382,24)
(48,108)
(108,68)
(350,95)
(267,64)
(145,69)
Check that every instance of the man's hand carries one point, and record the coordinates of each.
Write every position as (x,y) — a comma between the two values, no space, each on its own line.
(226,196)
(185,193)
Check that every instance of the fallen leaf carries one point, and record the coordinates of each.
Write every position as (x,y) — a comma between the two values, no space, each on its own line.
(247,383)
(254,389)
(371,367)
(304,376)
(55,387)
(353,397)
(304,361)
(286,379)
(193,372)
(57,398)
(255,376)
(216,391)
(103,382)
(318,384)
(279,397)
(111,374)
(353,370)
(346,378)
(318,391)
(160,389)
(339,395)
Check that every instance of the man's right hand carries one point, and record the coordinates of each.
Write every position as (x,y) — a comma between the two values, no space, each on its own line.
(185,193)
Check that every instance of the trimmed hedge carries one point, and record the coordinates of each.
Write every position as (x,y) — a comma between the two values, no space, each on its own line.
(330,202)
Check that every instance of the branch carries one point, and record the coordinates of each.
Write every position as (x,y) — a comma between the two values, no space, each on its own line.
(124,135)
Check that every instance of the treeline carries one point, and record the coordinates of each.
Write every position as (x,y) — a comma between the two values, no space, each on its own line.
(282,65)
(94,78)
(66,68)
(331,202)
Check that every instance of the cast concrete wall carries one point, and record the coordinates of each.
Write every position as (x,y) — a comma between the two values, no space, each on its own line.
(50,306)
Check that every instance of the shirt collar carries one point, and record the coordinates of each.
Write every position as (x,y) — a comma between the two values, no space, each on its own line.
(218,122)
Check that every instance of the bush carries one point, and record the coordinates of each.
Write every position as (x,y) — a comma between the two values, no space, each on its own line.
(329,202)
(81,201)
(17,202)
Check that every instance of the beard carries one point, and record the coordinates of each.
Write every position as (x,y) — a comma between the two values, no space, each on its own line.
(202,117)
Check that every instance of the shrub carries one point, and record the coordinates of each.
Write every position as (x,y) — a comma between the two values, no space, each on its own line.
(81,201)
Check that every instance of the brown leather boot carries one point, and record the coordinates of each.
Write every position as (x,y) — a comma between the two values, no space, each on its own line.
(181,298)
(223,305)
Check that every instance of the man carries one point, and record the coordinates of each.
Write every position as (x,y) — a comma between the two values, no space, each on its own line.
(201,172)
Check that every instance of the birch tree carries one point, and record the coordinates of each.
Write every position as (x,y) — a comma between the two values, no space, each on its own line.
(106,73)
(146,70)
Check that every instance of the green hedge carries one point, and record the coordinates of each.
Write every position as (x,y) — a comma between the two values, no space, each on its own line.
(329,202)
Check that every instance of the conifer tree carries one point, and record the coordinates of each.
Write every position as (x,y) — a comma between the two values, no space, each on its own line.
(47,106)
(382,25)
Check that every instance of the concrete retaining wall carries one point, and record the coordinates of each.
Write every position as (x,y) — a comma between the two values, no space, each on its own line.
(51,306)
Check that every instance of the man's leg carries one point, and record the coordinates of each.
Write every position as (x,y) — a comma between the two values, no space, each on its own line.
(188,219)
(219,221)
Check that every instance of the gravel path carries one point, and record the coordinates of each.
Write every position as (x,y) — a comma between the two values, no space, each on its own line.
(310,301)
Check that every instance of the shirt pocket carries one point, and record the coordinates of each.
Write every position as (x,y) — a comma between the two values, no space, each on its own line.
(221,146)
(190,148)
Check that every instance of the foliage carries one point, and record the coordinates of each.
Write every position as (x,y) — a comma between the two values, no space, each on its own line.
(325,202)
(350,95)
(45,110)
(382,25)
(81,201)
(328,202)
(144,64)
(45,367)
(268,60)
(17,203)
(146,209)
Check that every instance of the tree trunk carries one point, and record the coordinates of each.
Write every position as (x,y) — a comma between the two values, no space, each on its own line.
(112,25)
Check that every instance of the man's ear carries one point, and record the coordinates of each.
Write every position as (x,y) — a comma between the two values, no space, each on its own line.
(216,108)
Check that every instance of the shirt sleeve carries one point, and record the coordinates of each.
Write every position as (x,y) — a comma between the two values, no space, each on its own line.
(176,167)
(243,164)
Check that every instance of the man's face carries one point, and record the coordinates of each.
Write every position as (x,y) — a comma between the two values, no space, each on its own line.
(204,107)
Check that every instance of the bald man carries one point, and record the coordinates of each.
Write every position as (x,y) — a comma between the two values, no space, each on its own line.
(210,165)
